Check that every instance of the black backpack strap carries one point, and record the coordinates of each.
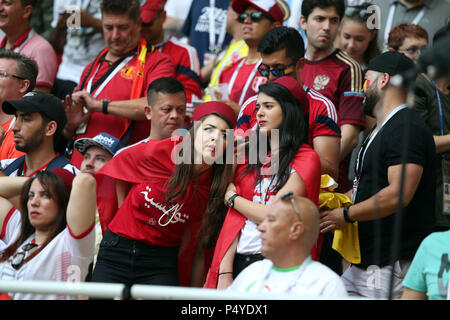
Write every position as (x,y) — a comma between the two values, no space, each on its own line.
(58,162)
(13,166)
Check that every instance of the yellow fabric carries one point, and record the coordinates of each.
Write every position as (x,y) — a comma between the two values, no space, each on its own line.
(346,240)
(234,52)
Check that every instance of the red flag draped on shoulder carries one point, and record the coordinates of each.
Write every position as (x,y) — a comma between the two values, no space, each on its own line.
(306,163)
(149,159)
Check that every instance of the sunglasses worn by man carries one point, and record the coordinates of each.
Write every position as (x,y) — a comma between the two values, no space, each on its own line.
(277,72)
(255,16)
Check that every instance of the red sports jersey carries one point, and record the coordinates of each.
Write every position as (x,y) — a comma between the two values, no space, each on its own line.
(306,163)
(243,80)
(320,114)
(187,65)
(144,215)
(157,65)
(339,78)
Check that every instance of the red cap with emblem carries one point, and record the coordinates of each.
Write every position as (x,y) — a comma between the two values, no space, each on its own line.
(150,9)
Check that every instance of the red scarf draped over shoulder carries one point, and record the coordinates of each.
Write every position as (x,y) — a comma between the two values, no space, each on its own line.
(306,163)
(147,160)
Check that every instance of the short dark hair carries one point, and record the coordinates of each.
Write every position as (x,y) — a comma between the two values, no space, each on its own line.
(26,67)
(59,142)
(280,38)
(130,7)
(309,5)
(167,85)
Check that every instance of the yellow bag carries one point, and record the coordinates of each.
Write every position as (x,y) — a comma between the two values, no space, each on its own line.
(346,240)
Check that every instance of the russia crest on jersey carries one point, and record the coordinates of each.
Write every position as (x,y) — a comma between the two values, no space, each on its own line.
(257,81)
(320,82)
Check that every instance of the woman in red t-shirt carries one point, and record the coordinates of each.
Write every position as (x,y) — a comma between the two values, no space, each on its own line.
(290,166)
(173,187)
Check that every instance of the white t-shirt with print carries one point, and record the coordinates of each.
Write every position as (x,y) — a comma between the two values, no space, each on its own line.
(264,193)
(313,279)
(65,258)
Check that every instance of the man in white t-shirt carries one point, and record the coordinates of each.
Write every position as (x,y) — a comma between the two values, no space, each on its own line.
(288,233)
(78,44)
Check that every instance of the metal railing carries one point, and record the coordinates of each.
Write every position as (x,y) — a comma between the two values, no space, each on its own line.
(148,292)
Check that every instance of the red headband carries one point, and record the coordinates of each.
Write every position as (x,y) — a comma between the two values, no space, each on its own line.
(221,108)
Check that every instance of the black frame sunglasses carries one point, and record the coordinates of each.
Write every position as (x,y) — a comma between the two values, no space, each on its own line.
(278,72)
(255,16)
(19,257)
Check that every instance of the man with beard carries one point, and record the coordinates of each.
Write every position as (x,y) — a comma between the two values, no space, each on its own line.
(399,141)
(17,77)
(39,120)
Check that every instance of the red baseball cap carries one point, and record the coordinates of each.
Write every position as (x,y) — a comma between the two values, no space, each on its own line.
(151,8)
(296,89)
(270,7)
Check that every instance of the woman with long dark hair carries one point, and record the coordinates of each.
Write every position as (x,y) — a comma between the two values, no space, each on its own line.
(50,236)
(290,166)
(173,189)
(355,37)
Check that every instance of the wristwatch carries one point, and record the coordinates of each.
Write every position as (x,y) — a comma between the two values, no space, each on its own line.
(230,201)
(346,217)
(105,103)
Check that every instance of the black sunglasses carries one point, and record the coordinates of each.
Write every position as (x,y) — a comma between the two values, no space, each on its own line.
(357,10)
(290,196)
(255,16)
(19,257)
(278,72)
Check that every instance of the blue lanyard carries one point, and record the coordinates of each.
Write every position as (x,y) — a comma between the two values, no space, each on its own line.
(441,120)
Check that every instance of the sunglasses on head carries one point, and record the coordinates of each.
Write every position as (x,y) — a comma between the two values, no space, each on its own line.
(255,16)
(278,72)
(357,10)
(290,197)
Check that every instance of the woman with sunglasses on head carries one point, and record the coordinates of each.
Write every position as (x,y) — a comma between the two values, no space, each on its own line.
(290,166)
(53,237)
(173,189)
(355,37)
